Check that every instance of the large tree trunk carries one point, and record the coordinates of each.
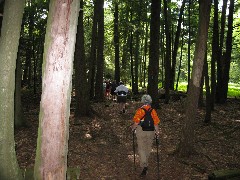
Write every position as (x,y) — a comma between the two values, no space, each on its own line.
(81,86)
(186,146)
(153,68)
(53,131)
(11,27)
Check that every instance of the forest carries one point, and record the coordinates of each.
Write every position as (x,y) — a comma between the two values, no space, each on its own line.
(56,120)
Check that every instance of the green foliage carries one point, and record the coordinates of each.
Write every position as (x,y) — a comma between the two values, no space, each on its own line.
(182,86)
(234,90)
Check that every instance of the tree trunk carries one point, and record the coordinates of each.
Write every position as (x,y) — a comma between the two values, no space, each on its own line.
(180,65)
(145,55)
(136,62)
(19,120)
(116,44)
(186,146)
(220,58)
(153,68)
(93,56)
(215,54)
(100,57)
(189,42)
(81,86)
(1,14)
(208,93)
(176,45)
(168,54)
(11,27)
(227,57)
(53,131)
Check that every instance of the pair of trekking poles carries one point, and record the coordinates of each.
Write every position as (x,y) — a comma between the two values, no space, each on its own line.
(134,154)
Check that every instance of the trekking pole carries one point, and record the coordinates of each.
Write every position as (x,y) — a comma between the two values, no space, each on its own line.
(134,159)
(157,143)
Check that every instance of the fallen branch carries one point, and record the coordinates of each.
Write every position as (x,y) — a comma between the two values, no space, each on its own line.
(225,174)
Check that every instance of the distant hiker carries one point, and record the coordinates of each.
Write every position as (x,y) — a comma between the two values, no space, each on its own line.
(122,91)
(104,87)
(113,88)
(145,131)
(108,89)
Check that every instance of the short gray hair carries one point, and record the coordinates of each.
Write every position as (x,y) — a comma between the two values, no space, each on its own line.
(146,99)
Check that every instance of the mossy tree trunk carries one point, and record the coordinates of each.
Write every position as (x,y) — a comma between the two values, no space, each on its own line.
(53,131)
(10,34)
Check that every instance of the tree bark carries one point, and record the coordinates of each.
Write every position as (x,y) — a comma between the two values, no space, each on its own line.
(53,131)
(116,44)
(100,56)
(81,86)
(220,58)
(19,119)
(153,68)
(10,34)
(93,53)
(227,57)
(167,63)
(186,145)
(176,44)
(215,54)
(208,93)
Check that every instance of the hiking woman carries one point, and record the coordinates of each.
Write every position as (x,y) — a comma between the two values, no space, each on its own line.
(145,137)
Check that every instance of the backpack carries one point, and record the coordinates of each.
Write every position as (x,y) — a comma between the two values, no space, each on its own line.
(147,122)
(121,93)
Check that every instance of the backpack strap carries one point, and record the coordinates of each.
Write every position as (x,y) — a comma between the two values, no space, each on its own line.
(149,110)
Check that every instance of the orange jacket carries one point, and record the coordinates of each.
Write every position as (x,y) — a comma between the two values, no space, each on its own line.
(140,113)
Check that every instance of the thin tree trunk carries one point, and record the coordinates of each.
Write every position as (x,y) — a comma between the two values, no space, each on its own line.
(116,44)
(19,120)
(189,42)
(215,53)
(180,65)
(11,27)
(168,54)
(176,44)
(53,131)
(145,55)
(208,93)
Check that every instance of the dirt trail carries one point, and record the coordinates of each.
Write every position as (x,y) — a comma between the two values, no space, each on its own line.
(102,146)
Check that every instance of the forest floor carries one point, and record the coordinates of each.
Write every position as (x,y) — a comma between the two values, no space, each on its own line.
(101,146)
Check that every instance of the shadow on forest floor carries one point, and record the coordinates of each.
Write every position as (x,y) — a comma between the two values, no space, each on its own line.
(102,146)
